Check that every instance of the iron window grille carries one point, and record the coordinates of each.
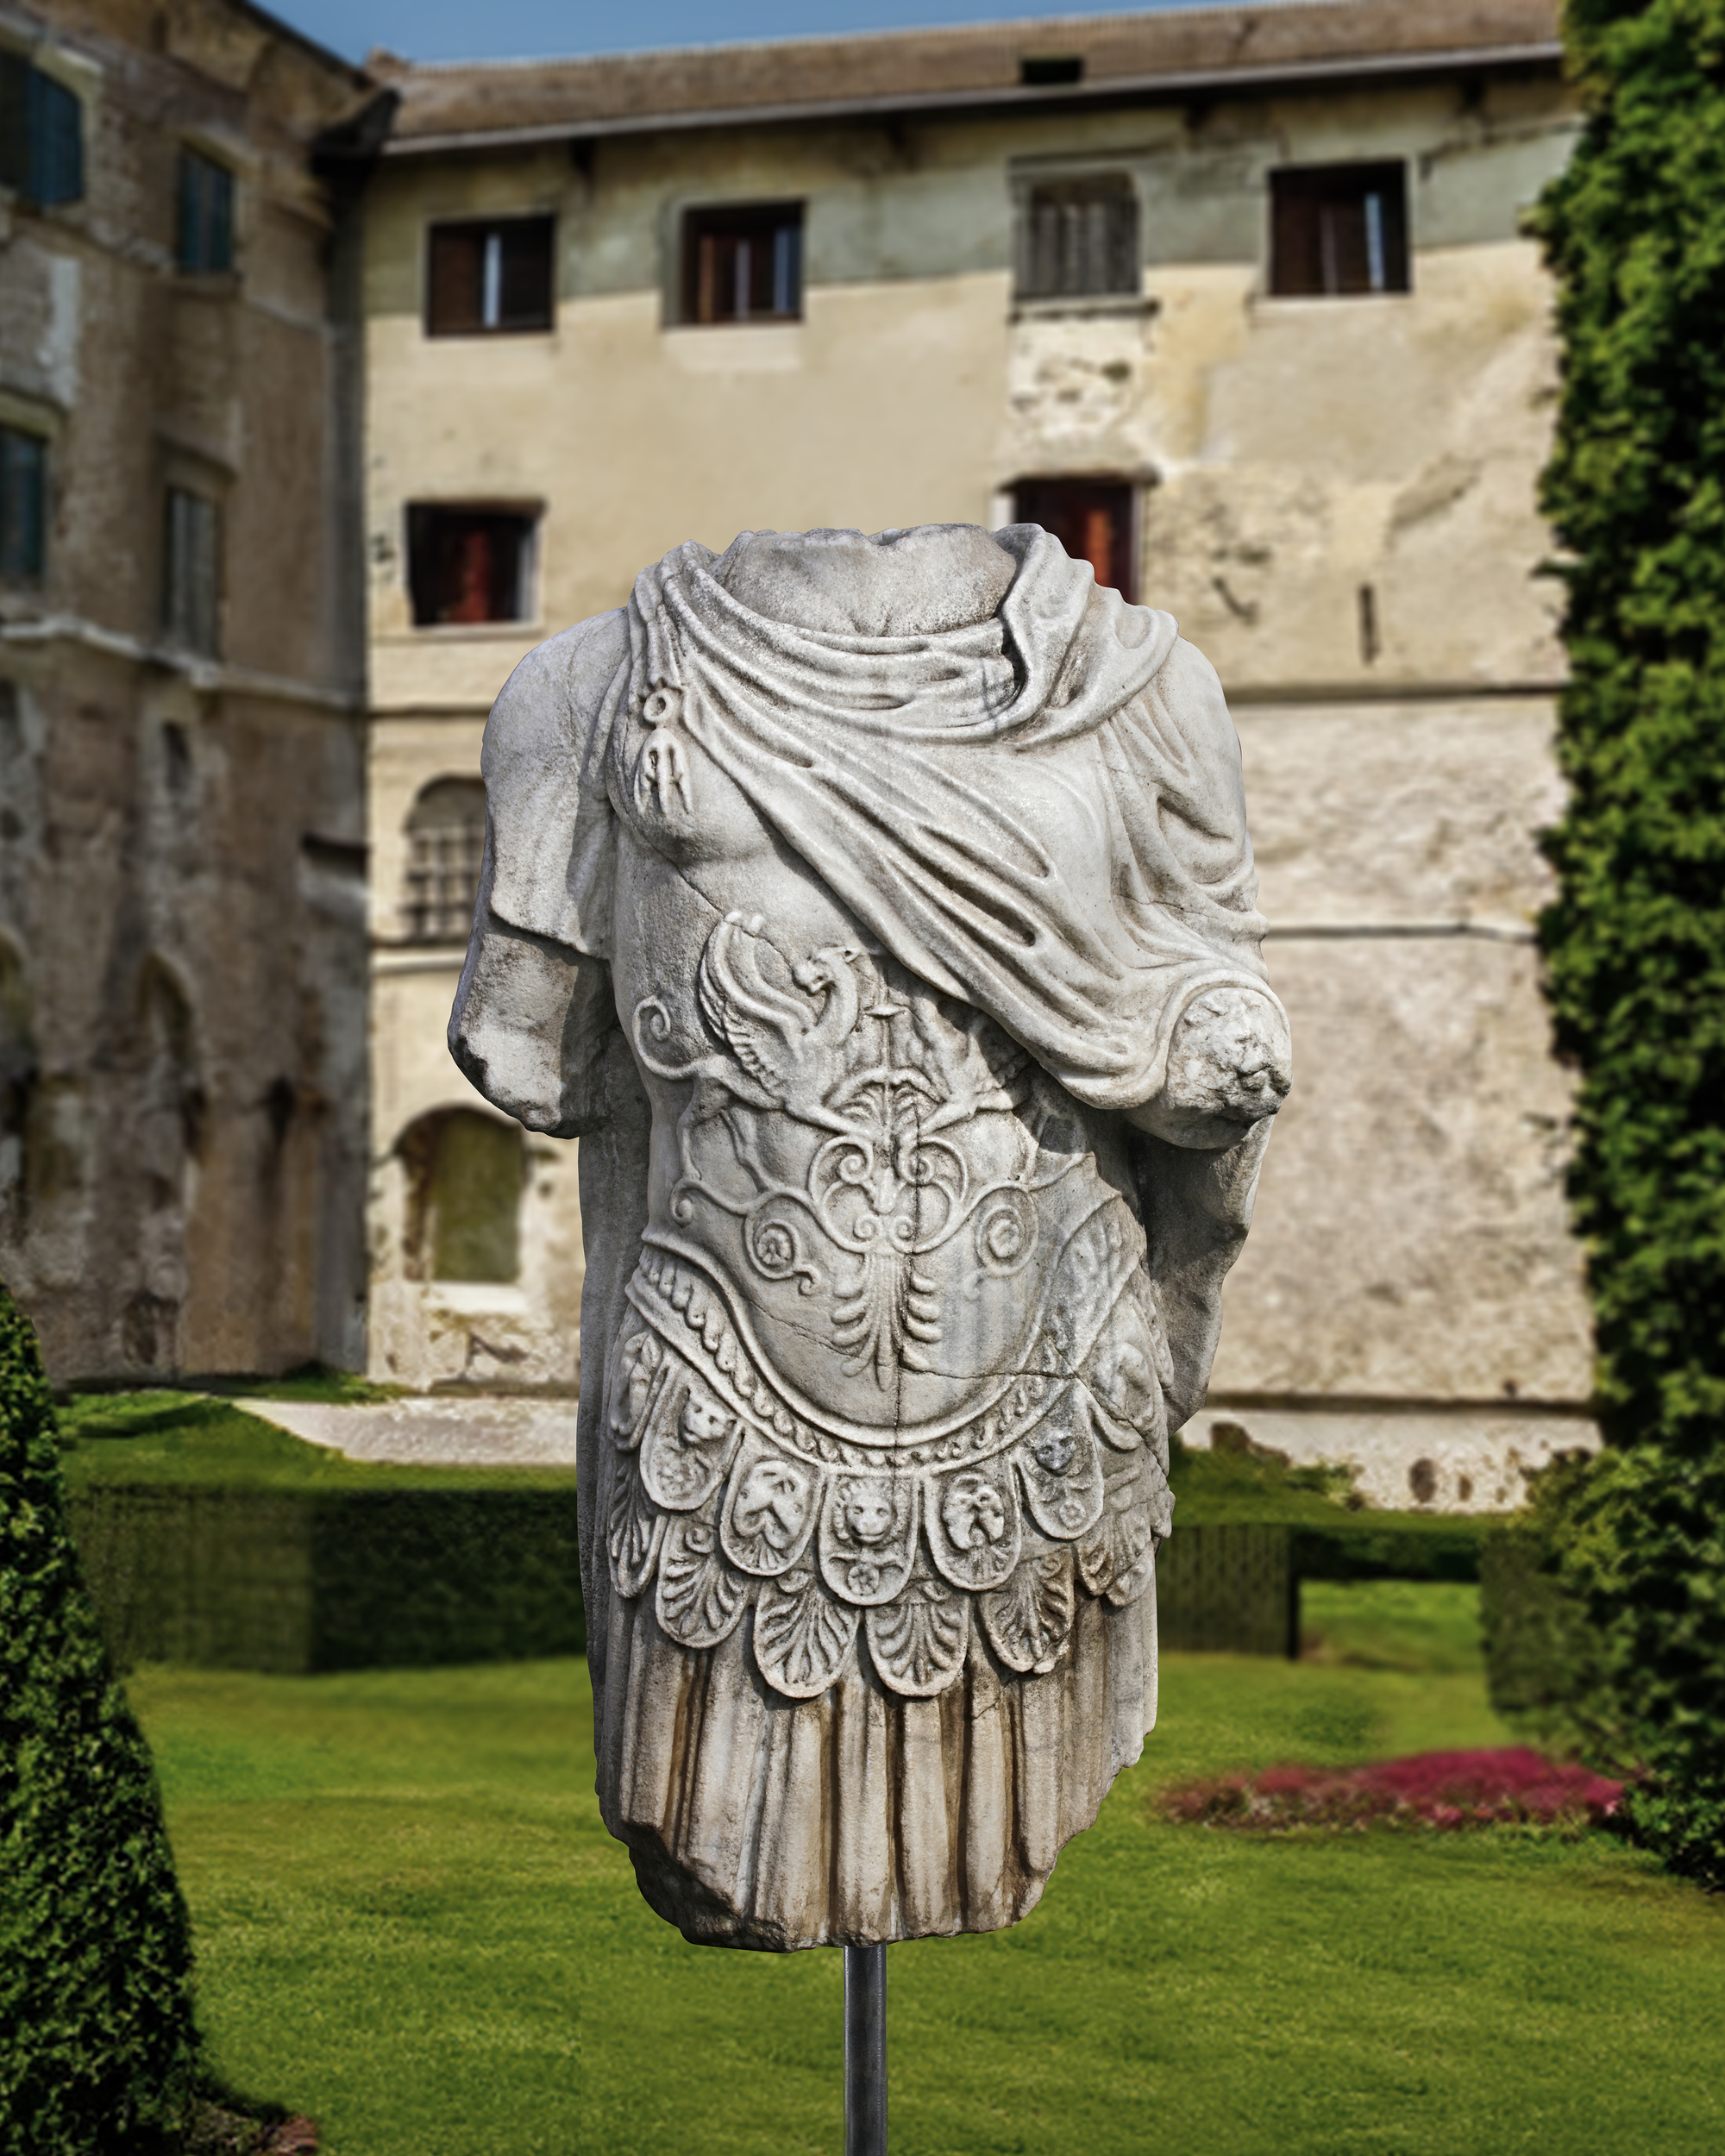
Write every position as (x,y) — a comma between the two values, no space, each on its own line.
(1078,238)
(445,846)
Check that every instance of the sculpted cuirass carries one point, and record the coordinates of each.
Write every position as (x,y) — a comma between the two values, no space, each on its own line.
(884,924)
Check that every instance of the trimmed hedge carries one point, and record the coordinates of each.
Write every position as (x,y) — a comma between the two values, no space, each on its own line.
(1234,1587)
(99,2055)
(1364,1546)
(213,1538)
(1635,233)
(271,1580)
(1540,1655)
(294,1580)
(1228,1589)
(263,1579)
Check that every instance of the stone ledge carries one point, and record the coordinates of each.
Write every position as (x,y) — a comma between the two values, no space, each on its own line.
(1420,1457)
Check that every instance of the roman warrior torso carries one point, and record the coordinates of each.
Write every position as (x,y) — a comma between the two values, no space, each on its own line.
(880,914)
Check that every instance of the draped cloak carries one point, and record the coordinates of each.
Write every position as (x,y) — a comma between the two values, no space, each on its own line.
(1040,815)
(1079,888)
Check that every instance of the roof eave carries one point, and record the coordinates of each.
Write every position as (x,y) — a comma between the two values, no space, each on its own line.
(1119,89)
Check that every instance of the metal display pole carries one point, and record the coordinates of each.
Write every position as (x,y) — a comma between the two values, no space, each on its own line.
(865,2051)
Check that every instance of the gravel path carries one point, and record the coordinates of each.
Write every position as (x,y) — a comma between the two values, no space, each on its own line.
(434,1430)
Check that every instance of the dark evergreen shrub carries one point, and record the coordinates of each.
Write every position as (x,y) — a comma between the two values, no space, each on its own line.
(1541,1666)
(97,2054)
(1635,231)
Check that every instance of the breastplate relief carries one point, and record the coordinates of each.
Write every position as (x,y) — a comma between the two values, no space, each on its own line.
(897,1352)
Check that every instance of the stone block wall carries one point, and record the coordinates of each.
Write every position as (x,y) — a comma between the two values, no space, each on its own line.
(182,936)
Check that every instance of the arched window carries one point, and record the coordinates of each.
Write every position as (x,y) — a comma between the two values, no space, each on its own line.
(445,843)
(466,1174)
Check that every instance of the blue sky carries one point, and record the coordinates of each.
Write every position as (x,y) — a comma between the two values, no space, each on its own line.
(523,29)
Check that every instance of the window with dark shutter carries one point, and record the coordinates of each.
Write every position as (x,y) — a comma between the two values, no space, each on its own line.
(1091,519)
(1338,229)
(1078,237)
(489,278)
(205,228)
(23,504)
(742,263)
(41,135)
(191,581)
(469,562)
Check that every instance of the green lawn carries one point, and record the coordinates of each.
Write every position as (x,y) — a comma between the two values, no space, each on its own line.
(1410,1624)
(411,1924)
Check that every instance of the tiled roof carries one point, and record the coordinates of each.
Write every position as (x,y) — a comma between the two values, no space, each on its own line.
(978,63)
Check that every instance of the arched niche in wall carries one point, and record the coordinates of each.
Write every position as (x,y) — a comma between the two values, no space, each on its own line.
(445,844)
(160,1143)
(466,1173)
(170,1099)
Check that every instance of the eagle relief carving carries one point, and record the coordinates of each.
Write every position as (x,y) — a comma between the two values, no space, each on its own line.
(879,912)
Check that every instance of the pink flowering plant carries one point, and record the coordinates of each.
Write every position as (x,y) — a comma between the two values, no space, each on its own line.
(1437,1792)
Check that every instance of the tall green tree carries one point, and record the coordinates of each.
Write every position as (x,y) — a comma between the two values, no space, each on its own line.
(1634,231)
(97,2051)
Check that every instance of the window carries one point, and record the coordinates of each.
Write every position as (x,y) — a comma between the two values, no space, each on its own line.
(1091,519)
(205,239)
(1079,236)
(492,278)
(1044,71)
(41,134)
(466,1173)
(23,504)
(744,263)
(191,584)
(446,830)
(1339,229)
(469,563)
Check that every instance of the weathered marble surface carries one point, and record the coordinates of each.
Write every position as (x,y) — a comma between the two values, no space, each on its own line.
(880,915)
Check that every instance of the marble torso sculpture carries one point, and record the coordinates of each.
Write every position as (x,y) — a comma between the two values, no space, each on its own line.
(880,915)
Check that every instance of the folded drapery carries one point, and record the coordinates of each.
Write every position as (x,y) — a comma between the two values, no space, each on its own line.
(1080,890)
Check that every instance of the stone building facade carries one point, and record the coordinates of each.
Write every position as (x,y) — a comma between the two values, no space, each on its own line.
(183,1105)
(1238,302)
